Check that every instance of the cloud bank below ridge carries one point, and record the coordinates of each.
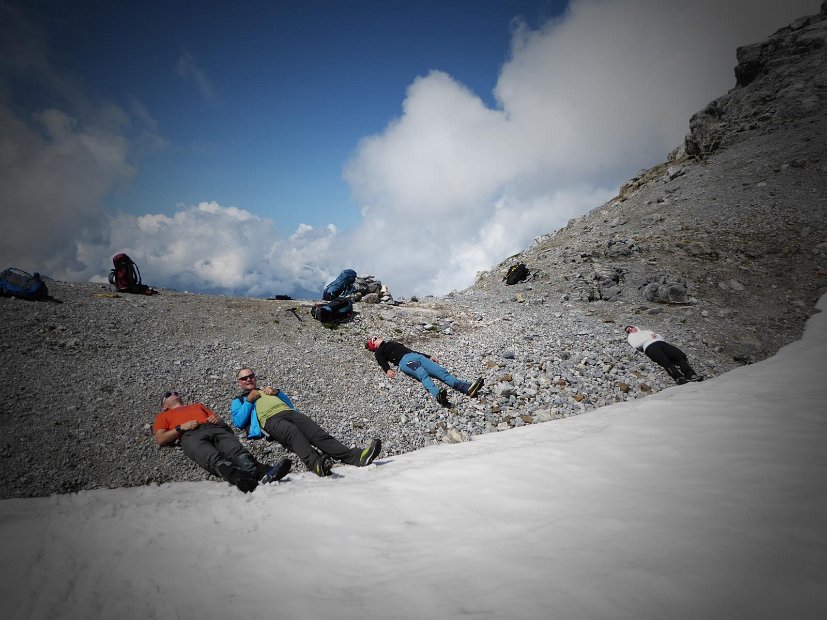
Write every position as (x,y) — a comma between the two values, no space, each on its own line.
(450,187)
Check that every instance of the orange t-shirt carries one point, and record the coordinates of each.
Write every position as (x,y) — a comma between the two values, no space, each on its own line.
(169,419)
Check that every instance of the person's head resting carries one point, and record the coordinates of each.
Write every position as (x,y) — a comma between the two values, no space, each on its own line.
(629,329)
(171,400)
(372,343)
(246,378)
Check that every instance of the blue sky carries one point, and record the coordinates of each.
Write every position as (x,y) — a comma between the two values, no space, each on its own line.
(263,103)
(260,147)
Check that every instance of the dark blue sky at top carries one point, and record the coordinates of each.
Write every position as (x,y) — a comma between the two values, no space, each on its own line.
(292,87)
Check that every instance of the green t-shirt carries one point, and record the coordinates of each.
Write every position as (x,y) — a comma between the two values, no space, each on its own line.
(268,406)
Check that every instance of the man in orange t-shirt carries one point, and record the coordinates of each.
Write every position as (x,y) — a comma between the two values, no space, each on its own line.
(207,440)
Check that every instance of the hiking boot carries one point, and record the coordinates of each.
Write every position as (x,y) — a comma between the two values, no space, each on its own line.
(247,484)
(696,378)
(442,398)
(236,477)
(475,387)
(323,466)
(680,380)
(277,471)
(229,472)
(248,465)
(370,453)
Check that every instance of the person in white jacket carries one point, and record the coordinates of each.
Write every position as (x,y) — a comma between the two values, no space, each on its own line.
(670,357)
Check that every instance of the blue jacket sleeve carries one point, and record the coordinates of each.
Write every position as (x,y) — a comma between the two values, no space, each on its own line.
(243,414)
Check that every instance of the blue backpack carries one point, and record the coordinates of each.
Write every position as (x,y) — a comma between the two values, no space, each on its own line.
(18,283)
(341,286)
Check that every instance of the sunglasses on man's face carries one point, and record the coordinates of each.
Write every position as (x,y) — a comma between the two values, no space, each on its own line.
(167,395)
(247,377)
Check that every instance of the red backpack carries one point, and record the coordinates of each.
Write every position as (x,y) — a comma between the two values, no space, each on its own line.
(126,277)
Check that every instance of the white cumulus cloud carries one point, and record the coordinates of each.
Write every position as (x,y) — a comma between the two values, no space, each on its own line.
(452,186)
(215,248)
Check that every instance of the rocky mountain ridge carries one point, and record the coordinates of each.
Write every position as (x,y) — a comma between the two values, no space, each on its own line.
(721,248)
(732,225)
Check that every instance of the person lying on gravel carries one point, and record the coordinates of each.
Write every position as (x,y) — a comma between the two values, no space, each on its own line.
(207,440)
(270,410)
(421,367)
(670,357)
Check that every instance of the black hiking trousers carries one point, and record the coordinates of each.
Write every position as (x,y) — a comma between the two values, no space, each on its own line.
(671,358)
(300,434)
(211,444)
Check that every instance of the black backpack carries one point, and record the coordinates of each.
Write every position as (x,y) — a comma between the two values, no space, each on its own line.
(335,310)
(18,283)
(126,277)
(516,273)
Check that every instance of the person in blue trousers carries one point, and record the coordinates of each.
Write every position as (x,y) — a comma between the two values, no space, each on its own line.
(421,367)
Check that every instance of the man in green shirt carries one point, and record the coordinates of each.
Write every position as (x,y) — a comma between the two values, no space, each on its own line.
(270,410)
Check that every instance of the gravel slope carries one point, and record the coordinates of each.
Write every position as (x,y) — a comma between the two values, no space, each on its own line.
(735,235)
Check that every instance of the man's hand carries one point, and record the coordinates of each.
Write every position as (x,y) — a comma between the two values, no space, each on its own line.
(435,360)
(391,374)
(269,391)
(165,437)
(253,396)
(213,419)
